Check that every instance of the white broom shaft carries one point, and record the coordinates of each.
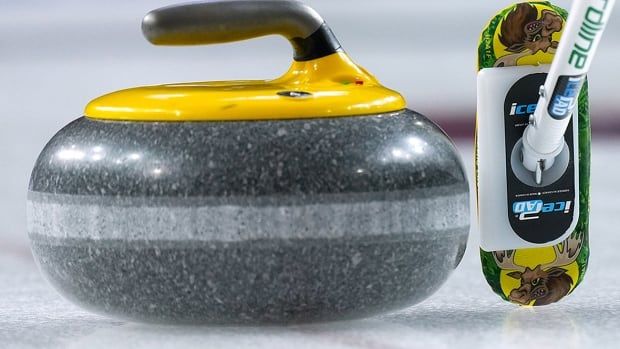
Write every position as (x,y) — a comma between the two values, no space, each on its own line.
(582,35)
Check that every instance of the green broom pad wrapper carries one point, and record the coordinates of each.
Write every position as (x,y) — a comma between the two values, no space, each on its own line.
(528,34)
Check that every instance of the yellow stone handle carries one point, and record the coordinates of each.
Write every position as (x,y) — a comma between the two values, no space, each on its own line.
(322,81)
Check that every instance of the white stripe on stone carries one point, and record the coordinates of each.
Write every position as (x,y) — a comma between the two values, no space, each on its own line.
(420,217)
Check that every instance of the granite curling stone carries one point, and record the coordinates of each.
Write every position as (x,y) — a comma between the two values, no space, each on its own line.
(276,210)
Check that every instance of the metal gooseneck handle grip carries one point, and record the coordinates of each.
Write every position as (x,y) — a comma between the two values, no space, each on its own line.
(216,22)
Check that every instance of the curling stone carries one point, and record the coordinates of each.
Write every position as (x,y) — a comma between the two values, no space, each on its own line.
(316,196)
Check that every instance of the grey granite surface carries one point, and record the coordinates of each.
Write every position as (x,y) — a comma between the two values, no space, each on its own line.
(249,222)
(299,158)
(258,281)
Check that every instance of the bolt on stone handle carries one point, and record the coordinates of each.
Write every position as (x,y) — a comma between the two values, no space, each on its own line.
(215,22)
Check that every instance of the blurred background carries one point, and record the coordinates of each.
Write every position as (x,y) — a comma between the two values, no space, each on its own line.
(55,56)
